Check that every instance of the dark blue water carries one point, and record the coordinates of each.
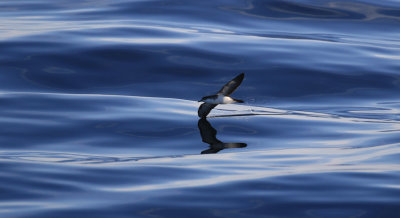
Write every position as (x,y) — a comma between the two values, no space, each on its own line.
(98,108)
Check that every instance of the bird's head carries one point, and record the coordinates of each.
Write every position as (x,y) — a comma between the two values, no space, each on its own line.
(203,99)
(207,99)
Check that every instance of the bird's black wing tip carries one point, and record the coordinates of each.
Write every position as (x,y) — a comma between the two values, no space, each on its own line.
(240,76)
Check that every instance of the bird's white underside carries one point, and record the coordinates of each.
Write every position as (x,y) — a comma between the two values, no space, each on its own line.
(221,99)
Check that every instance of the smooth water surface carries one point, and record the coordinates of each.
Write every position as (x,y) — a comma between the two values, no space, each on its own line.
(98,103)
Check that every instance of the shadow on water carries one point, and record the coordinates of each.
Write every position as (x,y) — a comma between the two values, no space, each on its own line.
(209,136)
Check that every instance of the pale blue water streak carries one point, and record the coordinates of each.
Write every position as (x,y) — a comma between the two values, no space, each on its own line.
(99,108)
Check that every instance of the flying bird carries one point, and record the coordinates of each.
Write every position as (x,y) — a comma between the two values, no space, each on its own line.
(222,97)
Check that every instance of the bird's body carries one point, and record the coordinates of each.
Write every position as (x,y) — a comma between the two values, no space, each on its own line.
(222,97)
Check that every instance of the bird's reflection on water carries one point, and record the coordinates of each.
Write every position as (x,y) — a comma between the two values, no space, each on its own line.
(208,135)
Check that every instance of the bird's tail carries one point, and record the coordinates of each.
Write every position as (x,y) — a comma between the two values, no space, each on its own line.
(238,101)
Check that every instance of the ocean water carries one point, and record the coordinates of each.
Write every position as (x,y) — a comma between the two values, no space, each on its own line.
(98,108)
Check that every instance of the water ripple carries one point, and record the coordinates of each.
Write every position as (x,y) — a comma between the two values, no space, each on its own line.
(99,108)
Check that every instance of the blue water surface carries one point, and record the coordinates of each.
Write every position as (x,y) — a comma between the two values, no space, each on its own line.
(98,108)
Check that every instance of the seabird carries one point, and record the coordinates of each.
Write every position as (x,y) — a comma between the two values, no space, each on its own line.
(209,136)
(222,97)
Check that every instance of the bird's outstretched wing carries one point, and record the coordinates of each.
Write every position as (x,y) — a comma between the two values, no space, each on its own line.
(231,85)
(207,132)
(205,109)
